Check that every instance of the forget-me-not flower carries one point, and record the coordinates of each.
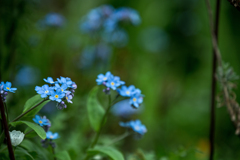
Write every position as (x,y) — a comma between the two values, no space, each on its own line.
(136,98)
(114,82)
(51,135)
(44,91)
(49,80)
(69,97)
(64,80)
(103,78)
(7,87)
(63,87)
(41,121)
(126,91)
(136,126)
(57,95)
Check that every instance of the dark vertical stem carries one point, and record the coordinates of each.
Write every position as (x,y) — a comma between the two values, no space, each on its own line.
(53,152)
(213,89)
(5,125)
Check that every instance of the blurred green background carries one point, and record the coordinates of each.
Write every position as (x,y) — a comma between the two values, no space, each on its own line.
(168,56)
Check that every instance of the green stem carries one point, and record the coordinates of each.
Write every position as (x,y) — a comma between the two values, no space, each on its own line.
(53,152)
(23,114)
(6,110)
(28,132)
(121,137)
(102,122)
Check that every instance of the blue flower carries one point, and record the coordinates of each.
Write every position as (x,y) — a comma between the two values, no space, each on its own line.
(136,98)
(49,80)
(126,91)
(51,135)
(113,82)
(128,14)
(57,95)
(136,126)
(1,87)
(103,78)
(69,97)
(64,80)
(54,20)
(7,87)
(44,91)
(41,121)
(63,87)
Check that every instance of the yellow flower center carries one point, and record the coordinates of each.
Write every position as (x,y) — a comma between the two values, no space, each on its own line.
(105,79)
(128,92)
(67,98)
(134,99)
(8,88)
(56,96)
(46,91)
(40,122)
(112,83)
(62,90)
(51,137)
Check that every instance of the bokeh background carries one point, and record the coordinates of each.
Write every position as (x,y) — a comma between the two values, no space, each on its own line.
(168,56)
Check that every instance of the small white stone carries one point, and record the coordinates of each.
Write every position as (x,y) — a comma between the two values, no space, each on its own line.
(16,137)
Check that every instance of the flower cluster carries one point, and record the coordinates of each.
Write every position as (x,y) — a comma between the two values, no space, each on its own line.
(5,88)
(104,25)
(61,90)
(46,124)
(107,18)
(112,82)
(136,126)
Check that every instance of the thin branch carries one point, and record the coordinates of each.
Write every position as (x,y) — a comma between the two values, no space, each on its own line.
(4,120)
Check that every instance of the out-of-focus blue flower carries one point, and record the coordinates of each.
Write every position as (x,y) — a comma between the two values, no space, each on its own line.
(63,87)
(128,14)
(41,121)
(124,109)
(51,135)
(7,87)
(49,80)
(57,95)
(126,91)
(103,78)
(103,51)
(64,80)
(27,75)
(136,126)
(69,97)
(54,20)
(44,91)
(113,82)
(136,98)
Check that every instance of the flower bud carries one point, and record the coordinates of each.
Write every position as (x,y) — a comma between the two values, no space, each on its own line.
(16,137)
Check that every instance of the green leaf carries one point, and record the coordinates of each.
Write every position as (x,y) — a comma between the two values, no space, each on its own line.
(63,156)
(22,154)
(32,102)
(109,151)
(95,110)
(39,130)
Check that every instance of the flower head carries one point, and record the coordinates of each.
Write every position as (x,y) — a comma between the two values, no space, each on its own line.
(7,87)
(126,91)
(114,82)
(136,98)
(69,97)
(66,80)
(103,78)
(51,135)
(41,121)
(136,126)
(1,87)
(16,137)
(57,95)
(63,87)
(49,80)
(44,91)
